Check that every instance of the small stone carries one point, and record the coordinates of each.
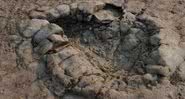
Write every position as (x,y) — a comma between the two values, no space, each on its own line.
(64,10)
(90,7)
(129,17)
(37,15)
(104,15)
(140,25)
(149,77)
(33,27)
(43,47)
(160,70)
(143,17)
(15,38)
(46,31)
(165,81)
(98,5)
(43,8)
(170,56)
(117,3)
(155,40)
(55,38)
(74,7)
(85,7)
(52,14)
(22,25)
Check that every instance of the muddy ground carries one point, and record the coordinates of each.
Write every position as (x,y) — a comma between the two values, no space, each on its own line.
(23,77)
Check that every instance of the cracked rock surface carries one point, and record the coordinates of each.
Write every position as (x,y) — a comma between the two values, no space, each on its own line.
(100,49)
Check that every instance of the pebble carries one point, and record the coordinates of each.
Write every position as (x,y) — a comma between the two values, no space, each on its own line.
(150,77)
(43,8)
(43,47)
(157,69)
(37,15)
(73,8)
(55,38)
(86,7)
(15,38)
(52,14)
(104,15)
(22,25)
(46,31)
(33,27)
(90,7)
(130,17)
(155,39)
(64,10)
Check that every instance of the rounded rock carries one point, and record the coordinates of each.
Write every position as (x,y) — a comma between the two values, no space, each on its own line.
(90,7)
(33,27)
(64,10)
(46,31)
(85,7)
(160,70)
(43,47)
(43,8)
(73,7)
(155,40)
(23,25)
(52,14)
(15,38)
(37,15)
(149,77)
(116,3)
(104,15)
(58,39)
(129,16)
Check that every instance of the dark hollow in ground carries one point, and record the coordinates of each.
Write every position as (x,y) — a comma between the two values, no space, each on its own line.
(121,49)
